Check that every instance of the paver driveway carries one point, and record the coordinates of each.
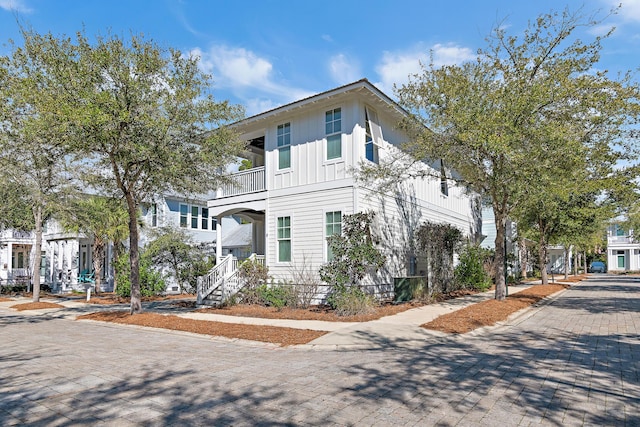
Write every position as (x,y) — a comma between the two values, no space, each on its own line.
(572,362)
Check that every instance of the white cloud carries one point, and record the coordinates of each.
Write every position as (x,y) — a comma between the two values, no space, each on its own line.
(343,70)
(242,71)
(395,67)
(630,10)
(15,6)
(327,38)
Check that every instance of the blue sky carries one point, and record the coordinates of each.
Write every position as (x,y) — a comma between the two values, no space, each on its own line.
(266,53)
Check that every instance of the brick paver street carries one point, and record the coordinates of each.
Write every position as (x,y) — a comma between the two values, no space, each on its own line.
(574,361)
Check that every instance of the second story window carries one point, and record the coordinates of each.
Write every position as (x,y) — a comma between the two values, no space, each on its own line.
(284,146)
(194,216)
(373,138)
(444,185)
(184,213)
(205,218)
(333,130)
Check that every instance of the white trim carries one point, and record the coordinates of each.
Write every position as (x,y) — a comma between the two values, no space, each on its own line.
(325,246)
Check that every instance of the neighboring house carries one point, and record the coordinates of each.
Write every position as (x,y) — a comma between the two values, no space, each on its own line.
(65,255)
(301,183)
(623,250)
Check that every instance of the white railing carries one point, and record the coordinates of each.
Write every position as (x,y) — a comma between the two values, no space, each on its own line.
(223,276)
(248,181)
(620,239)
(232,285)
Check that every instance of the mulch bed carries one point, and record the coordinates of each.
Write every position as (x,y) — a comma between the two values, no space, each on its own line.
(270,334)
(36,306)
(489,312)
(3,299)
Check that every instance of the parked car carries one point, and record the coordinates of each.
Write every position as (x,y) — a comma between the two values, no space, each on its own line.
(597,267)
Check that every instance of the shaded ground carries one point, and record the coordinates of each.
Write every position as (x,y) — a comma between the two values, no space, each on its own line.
(35,305)
(486,313)
(270,334)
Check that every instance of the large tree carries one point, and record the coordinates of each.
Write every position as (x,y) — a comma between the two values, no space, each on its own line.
(35,175)
(141,118)
(526,105)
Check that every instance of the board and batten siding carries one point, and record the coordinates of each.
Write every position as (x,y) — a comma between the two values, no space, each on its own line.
(307,211)
(308,148)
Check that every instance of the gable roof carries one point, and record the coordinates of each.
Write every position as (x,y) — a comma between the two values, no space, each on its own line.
(362,87)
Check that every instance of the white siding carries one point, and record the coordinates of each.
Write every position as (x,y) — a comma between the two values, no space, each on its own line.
(307,211)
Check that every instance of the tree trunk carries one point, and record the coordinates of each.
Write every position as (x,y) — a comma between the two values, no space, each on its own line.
(134,255)
(37,253)
(98,262)
(542,260)
(566,261)
(501,228)
(523,259)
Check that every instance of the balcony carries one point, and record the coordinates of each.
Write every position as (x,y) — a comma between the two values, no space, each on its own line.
(244,182)
(620,240)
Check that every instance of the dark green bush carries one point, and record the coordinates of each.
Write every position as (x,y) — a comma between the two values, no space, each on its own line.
(470,272)
(151,282)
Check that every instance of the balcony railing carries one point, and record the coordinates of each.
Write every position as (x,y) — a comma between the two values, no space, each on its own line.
(621,239)
(244,182)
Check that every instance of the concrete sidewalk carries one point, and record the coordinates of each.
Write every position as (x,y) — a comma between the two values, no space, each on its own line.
(399,330)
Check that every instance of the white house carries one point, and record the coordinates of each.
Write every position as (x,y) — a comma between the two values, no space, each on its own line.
(65,255)
(623,250)
(301,182)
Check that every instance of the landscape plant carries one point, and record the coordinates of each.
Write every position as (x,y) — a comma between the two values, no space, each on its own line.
(354,255)
(139,117)
(438,242)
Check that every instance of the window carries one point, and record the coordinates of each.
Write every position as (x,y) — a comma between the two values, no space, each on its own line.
(20,260)
(619,231)
(154,215)
(284,146)
(373,135)
(444,185)
(333,130)
(194,216)
(333,225)
(284,238)
(205,218)
(184,212)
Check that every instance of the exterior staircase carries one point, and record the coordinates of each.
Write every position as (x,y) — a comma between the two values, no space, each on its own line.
(222,281)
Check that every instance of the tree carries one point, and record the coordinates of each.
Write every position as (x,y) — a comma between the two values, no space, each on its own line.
(36,174)
(104,221)
(354,253)
(527,104)
(439,243)
(174,249)
(141,118)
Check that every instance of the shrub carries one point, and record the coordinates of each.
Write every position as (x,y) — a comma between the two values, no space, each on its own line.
(277,295)
(151,282)
(252,275)
(350,301)
(470,272)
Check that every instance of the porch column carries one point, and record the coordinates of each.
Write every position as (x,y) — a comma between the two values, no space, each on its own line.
(218,239)
(9,258)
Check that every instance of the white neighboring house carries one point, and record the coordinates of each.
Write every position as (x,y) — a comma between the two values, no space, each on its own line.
(66,255)
(301,183)
(623,250)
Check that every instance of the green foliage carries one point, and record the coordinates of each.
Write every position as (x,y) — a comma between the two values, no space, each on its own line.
(350,301)
(253,275)
(354,253)
(174,249)
(470,272)
(151,282)
(439,242)
(277,295)
(530,106)
(137,116)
